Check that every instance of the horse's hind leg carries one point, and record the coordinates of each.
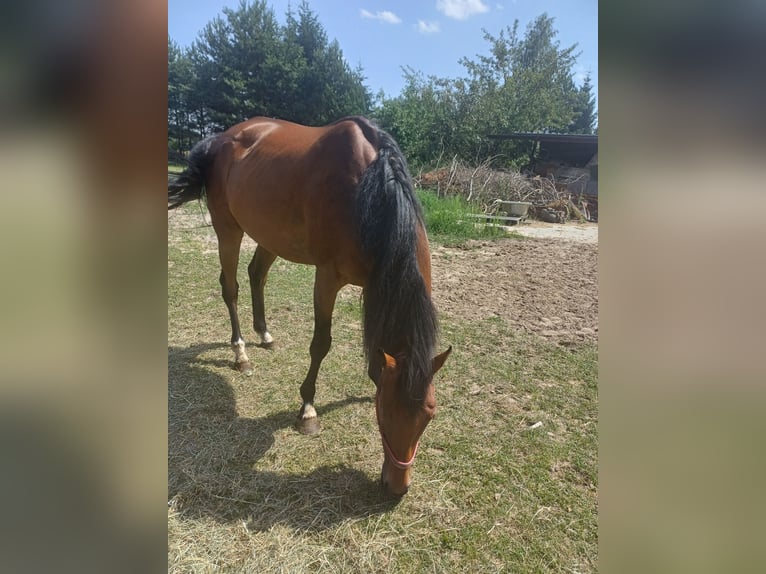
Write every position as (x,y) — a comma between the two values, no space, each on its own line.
(229,241)
(258,270)
(326,287)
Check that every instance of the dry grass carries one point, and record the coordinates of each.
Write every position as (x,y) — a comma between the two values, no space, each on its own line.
(483,185)
(247,493)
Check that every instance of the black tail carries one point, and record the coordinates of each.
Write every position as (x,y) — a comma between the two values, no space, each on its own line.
(398,313)
(190,184)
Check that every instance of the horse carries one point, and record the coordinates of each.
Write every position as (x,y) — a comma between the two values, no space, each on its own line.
(338,197)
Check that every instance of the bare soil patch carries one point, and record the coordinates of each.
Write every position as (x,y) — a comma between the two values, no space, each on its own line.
(580,232)
(548,287)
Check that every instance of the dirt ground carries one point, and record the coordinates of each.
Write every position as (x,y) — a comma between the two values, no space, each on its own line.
(547,286)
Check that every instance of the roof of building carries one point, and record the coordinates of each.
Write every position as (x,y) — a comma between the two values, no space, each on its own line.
(552,138)
(573,149)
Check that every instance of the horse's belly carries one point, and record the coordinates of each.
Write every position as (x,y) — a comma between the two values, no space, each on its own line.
(290,244)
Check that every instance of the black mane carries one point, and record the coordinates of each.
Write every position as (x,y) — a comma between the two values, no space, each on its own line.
(399,316)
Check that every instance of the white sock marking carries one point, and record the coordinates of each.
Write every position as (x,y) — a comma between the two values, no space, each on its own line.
(240,356)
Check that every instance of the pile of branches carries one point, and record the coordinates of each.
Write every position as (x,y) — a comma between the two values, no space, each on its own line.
(484,185)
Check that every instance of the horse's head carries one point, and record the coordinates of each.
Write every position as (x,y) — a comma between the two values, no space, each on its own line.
(400,422)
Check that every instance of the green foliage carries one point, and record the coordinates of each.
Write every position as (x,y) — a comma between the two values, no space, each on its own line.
(585,118)
(327,88)
(448,219)
(245,64)
(523,84)
(180,97)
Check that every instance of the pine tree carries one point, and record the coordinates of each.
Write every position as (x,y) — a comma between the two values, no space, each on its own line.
(585,108)
(245,64)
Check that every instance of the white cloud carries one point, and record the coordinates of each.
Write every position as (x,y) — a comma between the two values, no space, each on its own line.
(383,16)
(461,9)
(428,27)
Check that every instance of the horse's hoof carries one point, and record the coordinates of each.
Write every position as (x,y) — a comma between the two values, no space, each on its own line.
(267,341)
(244,368)
(308,426)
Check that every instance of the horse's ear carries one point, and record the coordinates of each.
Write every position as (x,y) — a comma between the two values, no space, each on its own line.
(439,360)
(386,360)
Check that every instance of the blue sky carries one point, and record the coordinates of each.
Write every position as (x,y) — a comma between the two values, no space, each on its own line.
(428,35)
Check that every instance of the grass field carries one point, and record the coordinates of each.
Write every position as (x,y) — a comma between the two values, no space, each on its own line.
(491,490)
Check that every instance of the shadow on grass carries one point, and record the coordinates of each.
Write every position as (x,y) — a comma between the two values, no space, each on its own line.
(212,453)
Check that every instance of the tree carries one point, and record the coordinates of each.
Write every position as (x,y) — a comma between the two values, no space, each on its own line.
(585,108)
(245,64)
(430,118)
(335,89)
(180,90)
(522,84)
(238,64)
(527,83)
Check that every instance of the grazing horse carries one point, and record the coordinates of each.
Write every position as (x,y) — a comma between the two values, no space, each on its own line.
(338,197)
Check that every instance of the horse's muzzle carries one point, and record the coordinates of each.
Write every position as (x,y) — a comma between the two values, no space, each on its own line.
(393,490)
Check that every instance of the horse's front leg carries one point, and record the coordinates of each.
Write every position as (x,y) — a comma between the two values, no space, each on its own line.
(326,287)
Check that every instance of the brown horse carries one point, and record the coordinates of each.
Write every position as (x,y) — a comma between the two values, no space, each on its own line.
(338,197)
